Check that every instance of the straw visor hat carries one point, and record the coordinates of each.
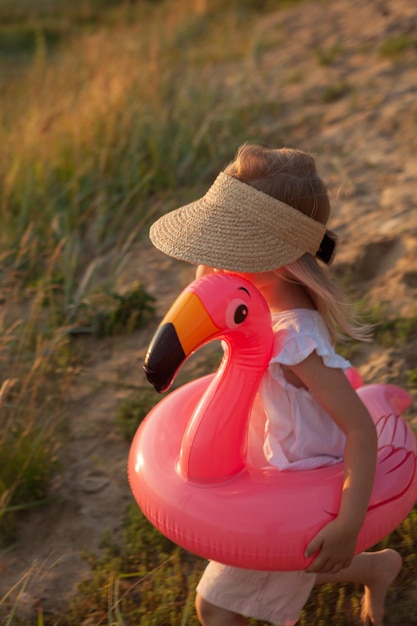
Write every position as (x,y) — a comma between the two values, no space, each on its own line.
(236,227)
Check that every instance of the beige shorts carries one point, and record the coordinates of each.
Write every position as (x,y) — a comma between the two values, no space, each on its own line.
(277,597)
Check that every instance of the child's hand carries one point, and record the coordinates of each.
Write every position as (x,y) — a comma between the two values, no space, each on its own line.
(335,546)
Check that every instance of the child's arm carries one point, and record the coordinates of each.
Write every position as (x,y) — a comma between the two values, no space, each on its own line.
(336,541)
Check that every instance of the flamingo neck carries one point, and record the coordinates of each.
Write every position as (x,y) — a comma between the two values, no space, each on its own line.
(215,441)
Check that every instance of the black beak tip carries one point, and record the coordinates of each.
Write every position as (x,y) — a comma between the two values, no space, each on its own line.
(153,379)
(165,355)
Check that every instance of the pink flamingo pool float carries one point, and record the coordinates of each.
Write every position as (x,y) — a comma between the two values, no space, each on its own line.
(196,465)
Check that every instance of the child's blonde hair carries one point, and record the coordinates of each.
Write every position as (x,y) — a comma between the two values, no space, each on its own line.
(291,176)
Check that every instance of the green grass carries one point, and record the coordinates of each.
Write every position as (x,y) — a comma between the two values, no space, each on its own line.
(335,92)
(108,313)
(108,120)
(81,171)
(133,409)
(395,47)
(97,135)
(327,56)
(389,331)
(33,360)
(147,581)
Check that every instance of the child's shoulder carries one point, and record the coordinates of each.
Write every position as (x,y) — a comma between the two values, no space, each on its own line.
(300,324)
(298,333)
(297,319)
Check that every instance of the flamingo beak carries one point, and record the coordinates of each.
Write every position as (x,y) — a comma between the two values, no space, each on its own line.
(184,328)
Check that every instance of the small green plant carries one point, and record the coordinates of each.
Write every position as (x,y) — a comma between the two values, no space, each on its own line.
(412,378)
(133,410)
(295,76)
(394,47)
(392,332)
(386,330)
(335,92)
(112,313)
(327,56)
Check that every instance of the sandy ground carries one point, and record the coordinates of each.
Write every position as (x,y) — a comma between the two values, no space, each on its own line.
(365,141)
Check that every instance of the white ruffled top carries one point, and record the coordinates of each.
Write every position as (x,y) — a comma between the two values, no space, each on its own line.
(300,434)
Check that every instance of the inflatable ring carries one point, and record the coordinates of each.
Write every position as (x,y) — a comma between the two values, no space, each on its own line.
(196,466)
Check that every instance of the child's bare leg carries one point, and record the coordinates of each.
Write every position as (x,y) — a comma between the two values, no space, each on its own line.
(211,615)
(376,571)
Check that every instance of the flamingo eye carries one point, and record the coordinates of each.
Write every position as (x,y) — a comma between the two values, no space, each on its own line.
(236,313)
(241,313)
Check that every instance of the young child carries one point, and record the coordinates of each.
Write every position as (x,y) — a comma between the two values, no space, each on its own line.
(273,207)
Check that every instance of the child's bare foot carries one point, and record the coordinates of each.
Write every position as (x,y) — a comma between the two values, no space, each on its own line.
(387,565)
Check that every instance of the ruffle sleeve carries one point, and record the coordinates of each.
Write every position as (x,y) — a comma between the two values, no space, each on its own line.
(294,343)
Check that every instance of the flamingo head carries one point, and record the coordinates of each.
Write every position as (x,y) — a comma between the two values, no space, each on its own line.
(217,306)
